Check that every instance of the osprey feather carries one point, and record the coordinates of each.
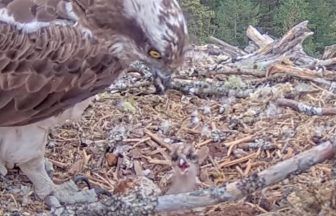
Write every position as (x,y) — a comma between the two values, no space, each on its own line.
(56,54)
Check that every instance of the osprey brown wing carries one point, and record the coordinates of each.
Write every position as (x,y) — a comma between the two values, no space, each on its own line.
(45,72)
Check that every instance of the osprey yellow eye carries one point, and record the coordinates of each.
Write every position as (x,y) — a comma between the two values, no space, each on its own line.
(154,54)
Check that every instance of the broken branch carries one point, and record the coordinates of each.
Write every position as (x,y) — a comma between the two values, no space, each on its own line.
(241,188)
(261,40)
(140,205)
(231,50)
(306,109)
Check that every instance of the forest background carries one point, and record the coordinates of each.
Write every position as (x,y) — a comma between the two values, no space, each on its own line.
(229,19)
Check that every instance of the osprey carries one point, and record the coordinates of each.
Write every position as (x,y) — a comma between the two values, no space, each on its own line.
(56,54)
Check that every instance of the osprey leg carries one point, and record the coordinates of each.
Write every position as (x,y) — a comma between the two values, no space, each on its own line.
(25,146)
(67,193)
(37,174)
(3,169)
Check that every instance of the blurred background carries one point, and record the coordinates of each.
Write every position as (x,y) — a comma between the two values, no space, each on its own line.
(229,19)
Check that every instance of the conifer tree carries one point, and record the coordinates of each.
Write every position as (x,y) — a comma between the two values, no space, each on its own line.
(290,13)
(228,19)
(322,18)
(199,19)
(232,19)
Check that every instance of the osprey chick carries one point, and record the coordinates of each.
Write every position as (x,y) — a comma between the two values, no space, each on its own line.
(56,54)
(186,161)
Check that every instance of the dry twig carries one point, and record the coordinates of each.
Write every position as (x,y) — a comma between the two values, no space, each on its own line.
(306,109)
(157,139)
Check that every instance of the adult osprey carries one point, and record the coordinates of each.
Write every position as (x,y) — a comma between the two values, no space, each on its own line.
(56,54)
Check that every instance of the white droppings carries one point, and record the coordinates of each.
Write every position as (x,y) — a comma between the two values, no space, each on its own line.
(207,110)
(165,127)
(194,118)
(206,131)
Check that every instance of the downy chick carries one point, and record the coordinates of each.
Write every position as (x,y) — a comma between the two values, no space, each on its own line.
(185,164)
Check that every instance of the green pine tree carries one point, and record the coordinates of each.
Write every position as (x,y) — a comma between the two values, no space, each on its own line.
(199,19)
(290,13)
(322,18)
(267,9)
(232,19)
(228,19)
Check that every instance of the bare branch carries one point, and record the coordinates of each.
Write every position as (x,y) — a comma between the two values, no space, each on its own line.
(229,49)
(288,48)
(306,74)
(327,62)
(261,40)
(140,205)
(209,87)
(233,70)
(329,52)
(241,188)
(293,37)
(306,109)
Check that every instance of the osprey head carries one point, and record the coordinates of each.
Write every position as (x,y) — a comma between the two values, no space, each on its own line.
(153,31)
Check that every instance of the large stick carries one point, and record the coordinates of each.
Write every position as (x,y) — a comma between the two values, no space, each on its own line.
(261,40)
(229,49)
(306,109)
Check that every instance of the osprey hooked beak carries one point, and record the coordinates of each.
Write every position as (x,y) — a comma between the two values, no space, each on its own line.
(162,79)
